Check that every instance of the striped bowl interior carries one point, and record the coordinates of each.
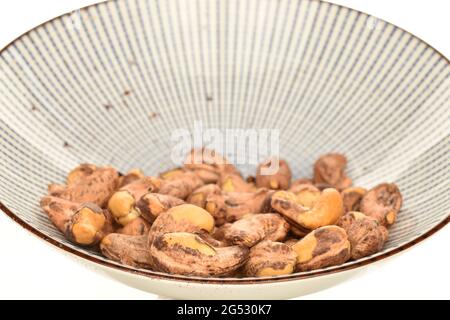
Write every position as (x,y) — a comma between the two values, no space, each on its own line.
(109,83)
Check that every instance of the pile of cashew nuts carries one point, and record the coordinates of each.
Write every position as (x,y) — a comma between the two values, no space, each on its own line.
(205,219)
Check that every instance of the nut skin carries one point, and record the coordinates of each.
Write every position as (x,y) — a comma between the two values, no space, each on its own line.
(323,247)
(80,172)
(182,218)
(219,232)
(232,182)
(172,174)
(329,169)
(253,228)
(367,237)
(131,176)
(269,258)
(323,186)
(206,174)
(188,254)
(382,203)
(110,224)
(151,205)
(142,186)
(59,211)
(84,224)
(137,227)
(351,198)
(199,196)
(251,180)
(278,181)
(55,190)
(129,250)
(96,187)
(349,218)
(297,231)
(365,234)
(229,207)
(326,210)
(209,238)
(208,165)
(182,186)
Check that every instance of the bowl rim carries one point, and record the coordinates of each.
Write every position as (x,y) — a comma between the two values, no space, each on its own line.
(223,281)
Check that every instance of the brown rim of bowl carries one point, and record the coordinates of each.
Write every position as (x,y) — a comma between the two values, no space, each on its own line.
(162,276)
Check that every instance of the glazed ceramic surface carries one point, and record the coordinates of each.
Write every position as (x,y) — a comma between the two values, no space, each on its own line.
(109,84)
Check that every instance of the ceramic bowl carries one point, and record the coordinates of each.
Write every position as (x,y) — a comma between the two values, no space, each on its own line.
(109,83)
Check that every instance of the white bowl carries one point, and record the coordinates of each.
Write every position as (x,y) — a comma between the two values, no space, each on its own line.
(108,84)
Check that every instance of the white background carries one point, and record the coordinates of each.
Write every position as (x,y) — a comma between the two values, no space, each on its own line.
(30,268)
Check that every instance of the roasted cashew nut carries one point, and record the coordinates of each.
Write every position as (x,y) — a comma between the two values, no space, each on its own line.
(383,203)
(323,210)
(351,198)
(182,218)
(129,250)
(323,247)
(366,235)
(280,180)
(95,187)
(254,228)
(84,224)
(188,254)
(329,169)
(269,258)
